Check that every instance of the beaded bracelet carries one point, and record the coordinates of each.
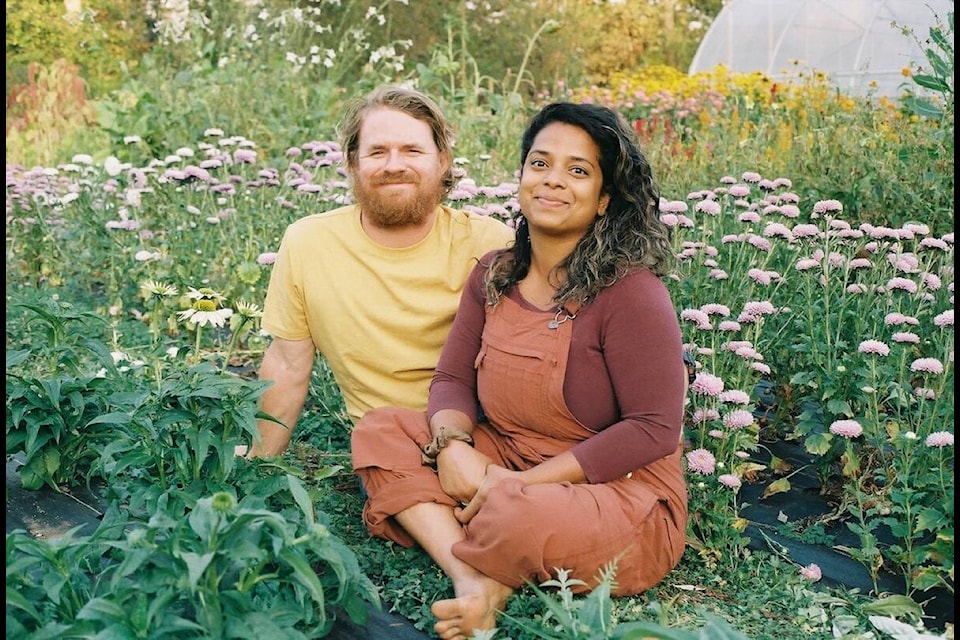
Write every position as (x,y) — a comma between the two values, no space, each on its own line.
(444,437)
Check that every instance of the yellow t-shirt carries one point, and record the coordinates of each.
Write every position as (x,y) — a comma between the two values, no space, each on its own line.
(379,315)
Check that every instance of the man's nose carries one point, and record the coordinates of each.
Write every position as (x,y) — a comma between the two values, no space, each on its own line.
(394,161)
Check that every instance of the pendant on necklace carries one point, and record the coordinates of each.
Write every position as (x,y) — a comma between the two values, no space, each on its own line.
(557,320)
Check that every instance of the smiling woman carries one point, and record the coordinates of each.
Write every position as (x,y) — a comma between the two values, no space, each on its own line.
(574,426)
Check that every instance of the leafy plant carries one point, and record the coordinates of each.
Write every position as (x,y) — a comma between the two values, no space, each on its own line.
(590,618)
(221,570)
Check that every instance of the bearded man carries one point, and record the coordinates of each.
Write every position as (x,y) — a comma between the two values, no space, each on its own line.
(373,287)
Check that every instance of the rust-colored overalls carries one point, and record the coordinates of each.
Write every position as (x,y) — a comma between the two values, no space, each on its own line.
(525,532)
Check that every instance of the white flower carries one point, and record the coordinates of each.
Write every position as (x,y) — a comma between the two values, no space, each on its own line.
(217,318)
(112,166)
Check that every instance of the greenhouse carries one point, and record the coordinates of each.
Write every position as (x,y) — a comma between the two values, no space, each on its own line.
(862,45)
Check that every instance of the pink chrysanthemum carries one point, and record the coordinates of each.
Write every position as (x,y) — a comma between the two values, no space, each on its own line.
(826,206)
(846,428)
(738,419)
(729,325)
(924,393)
(760,367)
(934,243)
(944,319)
(760,242)
(875,347)
(906,337)
(729,480)
(673,206)
(811,572)
(904,284)
(709,207)
(927,365)
(735,396)
(701,461)
(715,309)
(707,384)
(705,415)
(267,258)
(939,439)
(895,318)
(701,319)
(806,231)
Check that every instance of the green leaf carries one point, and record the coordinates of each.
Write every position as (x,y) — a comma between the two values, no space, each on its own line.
(305,575)
(16,357)
(302,498)
(817,443)
(930,520)
(895,605)
(111,418)
(197,564)
(101,609)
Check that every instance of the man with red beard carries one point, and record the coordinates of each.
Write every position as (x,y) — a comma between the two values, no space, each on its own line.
(374,286)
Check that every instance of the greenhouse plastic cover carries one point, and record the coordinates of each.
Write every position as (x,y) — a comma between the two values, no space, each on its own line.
(854,42)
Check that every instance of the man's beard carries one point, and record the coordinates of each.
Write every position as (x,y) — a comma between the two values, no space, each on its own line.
(396,210)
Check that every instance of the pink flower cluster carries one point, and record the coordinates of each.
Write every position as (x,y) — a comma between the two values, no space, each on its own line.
(846,428)
(701,461)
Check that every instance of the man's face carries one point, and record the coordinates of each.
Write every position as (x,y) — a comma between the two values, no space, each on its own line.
(398,180)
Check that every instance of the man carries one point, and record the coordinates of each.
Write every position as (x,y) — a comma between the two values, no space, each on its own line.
(373,286)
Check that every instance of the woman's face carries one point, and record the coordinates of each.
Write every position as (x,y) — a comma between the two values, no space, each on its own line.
(561,182)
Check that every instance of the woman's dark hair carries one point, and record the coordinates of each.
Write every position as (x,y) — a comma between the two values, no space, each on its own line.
(409,101)
(630,235)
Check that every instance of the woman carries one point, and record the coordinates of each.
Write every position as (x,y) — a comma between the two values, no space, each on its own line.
(552,434)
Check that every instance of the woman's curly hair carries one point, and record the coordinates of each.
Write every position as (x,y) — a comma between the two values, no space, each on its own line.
(630,235)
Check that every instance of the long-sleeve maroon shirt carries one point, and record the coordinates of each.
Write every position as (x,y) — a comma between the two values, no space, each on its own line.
(624,378)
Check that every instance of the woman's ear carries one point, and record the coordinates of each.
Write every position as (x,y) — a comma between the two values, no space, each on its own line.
(603,204)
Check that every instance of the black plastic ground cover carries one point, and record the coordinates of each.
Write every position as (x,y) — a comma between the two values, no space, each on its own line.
(806,503)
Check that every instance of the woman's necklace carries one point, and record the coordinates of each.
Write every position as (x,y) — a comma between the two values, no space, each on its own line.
(557,320)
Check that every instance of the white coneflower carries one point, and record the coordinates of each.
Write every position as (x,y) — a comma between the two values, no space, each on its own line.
(204,312)
(157,289)
(205,293)
(248,310)
(205,308)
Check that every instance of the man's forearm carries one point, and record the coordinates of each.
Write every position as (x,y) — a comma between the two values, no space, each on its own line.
(283,401)
(289,370)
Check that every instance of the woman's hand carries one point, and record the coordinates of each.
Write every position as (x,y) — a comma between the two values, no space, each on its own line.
(461,468)
(493,475)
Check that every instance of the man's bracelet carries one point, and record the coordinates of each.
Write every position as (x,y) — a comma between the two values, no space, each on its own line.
(444,437)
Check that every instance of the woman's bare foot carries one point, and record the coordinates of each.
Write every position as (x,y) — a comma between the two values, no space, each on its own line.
(474,609)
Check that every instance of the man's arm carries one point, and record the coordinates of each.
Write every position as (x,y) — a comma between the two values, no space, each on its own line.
(288,363)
